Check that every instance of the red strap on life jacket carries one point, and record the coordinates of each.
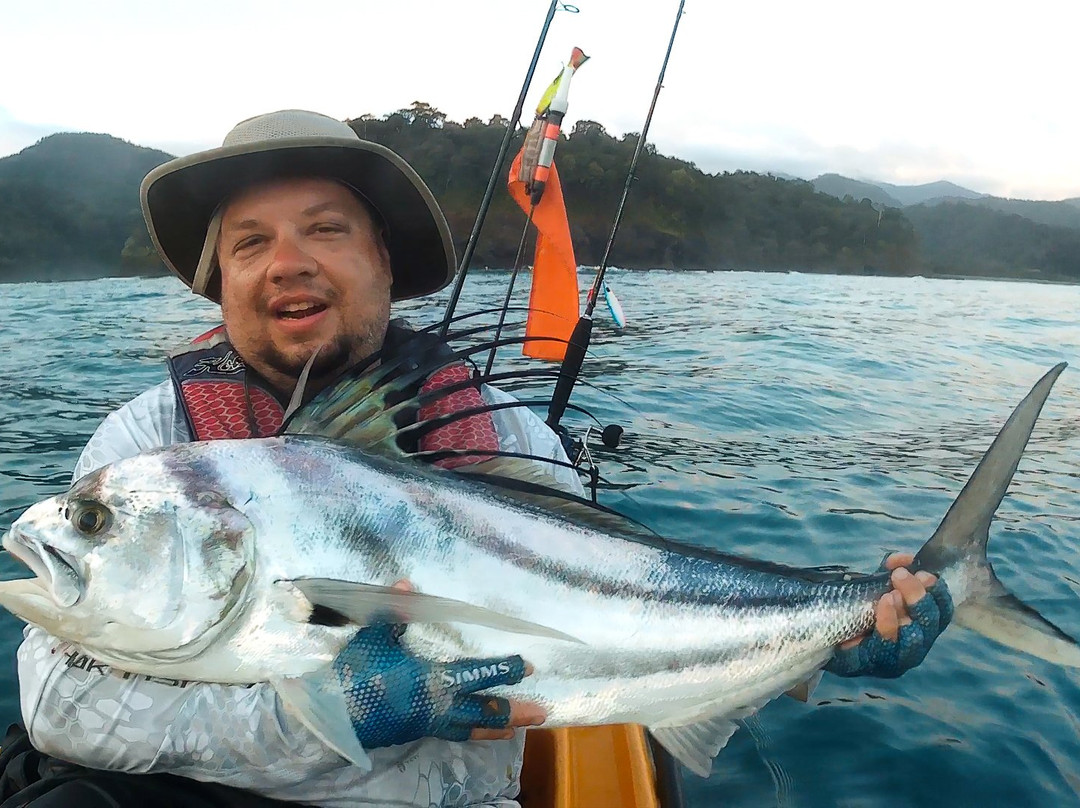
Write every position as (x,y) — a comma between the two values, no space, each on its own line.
(218,410)
(213,332)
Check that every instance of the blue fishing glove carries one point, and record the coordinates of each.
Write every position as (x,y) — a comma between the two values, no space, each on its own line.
(887,659)
(394,697)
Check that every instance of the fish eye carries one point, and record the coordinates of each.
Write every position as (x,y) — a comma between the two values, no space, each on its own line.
(90,518)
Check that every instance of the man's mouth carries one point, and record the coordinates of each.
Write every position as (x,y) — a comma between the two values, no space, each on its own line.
(298,311)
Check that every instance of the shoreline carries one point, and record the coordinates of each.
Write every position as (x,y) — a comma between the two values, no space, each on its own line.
(163,273)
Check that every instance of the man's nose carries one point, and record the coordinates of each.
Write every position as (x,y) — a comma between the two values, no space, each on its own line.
(290,259)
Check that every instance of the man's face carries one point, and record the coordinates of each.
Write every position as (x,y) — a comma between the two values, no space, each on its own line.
(302,266)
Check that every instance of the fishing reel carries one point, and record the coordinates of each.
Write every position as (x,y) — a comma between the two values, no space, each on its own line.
(577,449)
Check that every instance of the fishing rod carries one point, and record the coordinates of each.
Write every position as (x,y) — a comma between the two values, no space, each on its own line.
(519,259)
(582,334)
(496,171)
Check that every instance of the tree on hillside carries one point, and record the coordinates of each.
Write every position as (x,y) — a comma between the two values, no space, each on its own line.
(423,114)
(585,128)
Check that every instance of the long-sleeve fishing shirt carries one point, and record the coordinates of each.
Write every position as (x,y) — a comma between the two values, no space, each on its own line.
(77,709)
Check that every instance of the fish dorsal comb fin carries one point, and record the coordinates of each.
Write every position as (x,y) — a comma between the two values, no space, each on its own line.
(375,404)
(369,404)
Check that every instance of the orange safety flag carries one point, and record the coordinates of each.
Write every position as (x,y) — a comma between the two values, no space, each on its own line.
(553,300)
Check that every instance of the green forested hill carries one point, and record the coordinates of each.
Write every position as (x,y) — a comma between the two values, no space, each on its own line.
(840,186)
(965,238)
(677,216)
(69,204)
(1056,214)
(69,208)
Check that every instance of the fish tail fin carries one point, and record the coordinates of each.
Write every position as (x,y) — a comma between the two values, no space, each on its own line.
(957,550)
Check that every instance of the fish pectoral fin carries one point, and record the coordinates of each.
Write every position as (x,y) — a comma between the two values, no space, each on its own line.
(318,701)
(364,604)
(695,745)
(804,690)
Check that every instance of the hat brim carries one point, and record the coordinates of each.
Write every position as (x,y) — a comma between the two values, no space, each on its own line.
(179,199)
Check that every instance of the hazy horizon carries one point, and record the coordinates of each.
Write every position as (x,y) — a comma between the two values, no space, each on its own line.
(906,95)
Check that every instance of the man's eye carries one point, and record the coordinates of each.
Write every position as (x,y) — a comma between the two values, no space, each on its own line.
(247,243)
(329,227)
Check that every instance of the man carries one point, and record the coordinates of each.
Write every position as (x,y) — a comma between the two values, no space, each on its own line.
(304,234)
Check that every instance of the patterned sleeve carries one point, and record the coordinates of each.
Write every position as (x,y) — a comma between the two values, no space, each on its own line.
(77,709)
(144,423)
(522,430)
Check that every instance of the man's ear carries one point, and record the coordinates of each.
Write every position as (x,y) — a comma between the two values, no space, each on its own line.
(384,249)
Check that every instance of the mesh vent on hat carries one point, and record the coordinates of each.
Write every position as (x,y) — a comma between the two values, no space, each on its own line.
(286,124)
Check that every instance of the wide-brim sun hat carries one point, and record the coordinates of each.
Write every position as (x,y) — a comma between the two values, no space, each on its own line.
(181,198)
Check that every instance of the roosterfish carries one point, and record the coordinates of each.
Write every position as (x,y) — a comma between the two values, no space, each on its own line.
(240,561)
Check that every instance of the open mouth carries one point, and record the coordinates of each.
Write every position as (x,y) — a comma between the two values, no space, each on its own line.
(299,311)
(55,570)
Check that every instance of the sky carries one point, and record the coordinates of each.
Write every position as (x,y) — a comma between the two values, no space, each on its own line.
(982,94)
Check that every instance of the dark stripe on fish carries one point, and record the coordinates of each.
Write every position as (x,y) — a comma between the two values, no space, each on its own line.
(325,616)
(196,475)
(699,581)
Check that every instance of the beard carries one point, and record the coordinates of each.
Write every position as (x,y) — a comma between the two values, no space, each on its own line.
(334,357)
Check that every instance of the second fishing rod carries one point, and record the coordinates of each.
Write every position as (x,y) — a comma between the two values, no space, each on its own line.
(582,334)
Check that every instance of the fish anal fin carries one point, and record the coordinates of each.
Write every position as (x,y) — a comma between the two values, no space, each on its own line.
(695,745)
(697,741)
(319,703)
(804,690)
(364,604)
(1013,623)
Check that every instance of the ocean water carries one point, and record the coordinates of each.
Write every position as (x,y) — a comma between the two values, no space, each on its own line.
(806,419)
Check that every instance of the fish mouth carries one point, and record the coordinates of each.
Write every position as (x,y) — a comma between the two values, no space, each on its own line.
(56,571)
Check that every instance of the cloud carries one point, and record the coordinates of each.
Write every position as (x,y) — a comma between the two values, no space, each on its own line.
(794,153)
(853,87)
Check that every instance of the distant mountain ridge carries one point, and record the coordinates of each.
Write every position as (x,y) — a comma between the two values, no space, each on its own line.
(890,195)
(929,191)
(1065,213)
(840,187)
(69,208)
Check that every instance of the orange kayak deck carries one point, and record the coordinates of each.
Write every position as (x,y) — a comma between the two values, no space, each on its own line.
(587,767)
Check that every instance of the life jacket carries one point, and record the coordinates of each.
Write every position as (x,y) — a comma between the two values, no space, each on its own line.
(221,398)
